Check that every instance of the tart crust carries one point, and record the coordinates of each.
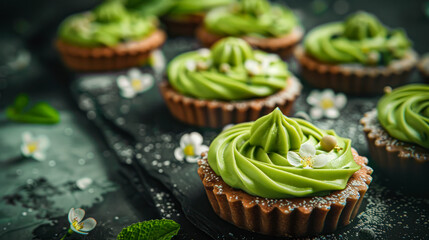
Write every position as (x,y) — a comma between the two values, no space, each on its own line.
(304,216)
(122,56)
(355,79)
(183,25)
(283,46)
(404,163)
(214,113)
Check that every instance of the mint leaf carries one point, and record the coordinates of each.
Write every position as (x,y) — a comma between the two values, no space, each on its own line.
(158,229)
(21,101)
(39,113)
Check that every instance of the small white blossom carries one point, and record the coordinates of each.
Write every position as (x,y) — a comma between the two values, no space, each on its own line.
(34,147)
(326,103)
(204,52)
(307,157)
(228,126)
(191,65)
(133,83)
(76,223)
(253,67)
(191,147)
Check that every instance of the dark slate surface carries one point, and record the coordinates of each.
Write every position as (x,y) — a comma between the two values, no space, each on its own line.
(125,146)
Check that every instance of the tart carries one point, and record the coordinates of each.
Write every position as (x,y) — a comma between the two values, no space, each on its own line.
(423,67)
(271,28)
(229,83)
(107,38)
(284,177)
(358,56)
(397,133)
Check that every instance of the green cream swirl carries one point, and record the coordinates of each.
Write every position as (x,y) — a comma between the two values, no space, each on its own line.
(404,113)
(360,39)
(251,18)
(107,25)
(231,70)
(253,157)
(184,7)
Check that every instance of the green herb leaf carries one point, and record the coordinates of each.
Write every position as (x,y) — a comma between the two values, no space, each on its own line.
(158,229)
(39,113)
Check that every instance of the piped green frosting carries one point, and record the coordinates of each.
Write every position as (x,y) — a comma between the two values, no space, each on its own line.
(251,18)
(404,113)
(231,70)
(362,38)
(107,25)
(253,157)
(184,7)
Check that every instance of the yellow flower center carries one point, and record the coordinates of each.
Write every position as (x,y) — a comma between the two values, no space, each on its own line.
(326,103)
(307,162)
(32,147)
(189,150)
(76,225)
(136,84)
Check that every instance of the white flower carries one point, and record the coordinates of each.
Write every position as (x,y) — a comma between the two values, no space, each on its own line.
(157,61)
(83,183)
(190,147)
(191,65)
(76,223)
(326,103)
(34,147)
(307,157)
(253,67)
(204,52)
(228,126)
(133,83)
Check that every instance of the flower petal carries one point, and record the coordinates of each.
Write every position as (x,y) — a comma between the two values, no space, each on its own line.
(321,160)
(316,113)
(192,159)
(307,150)
(24,150)
(228,126)
(314,98)
(43,142)
(88,224)
(134,73)
(123,82)
(179,154)
(71,215)
(294,159)
(196,139)
(332,113)
(27,137)
(204,52)
(191,65)
(79,213)
(200,149)
(39,155)
(328,94)
(340,101)
(185,140)
(127,92)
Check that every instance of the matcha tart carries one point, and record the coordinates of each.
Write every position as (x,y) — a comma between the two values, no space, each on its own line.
(282,176)
(359,56)
(107,38)
(269,27)
(184,16)
(423,67)
(229,83)
(397,133)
